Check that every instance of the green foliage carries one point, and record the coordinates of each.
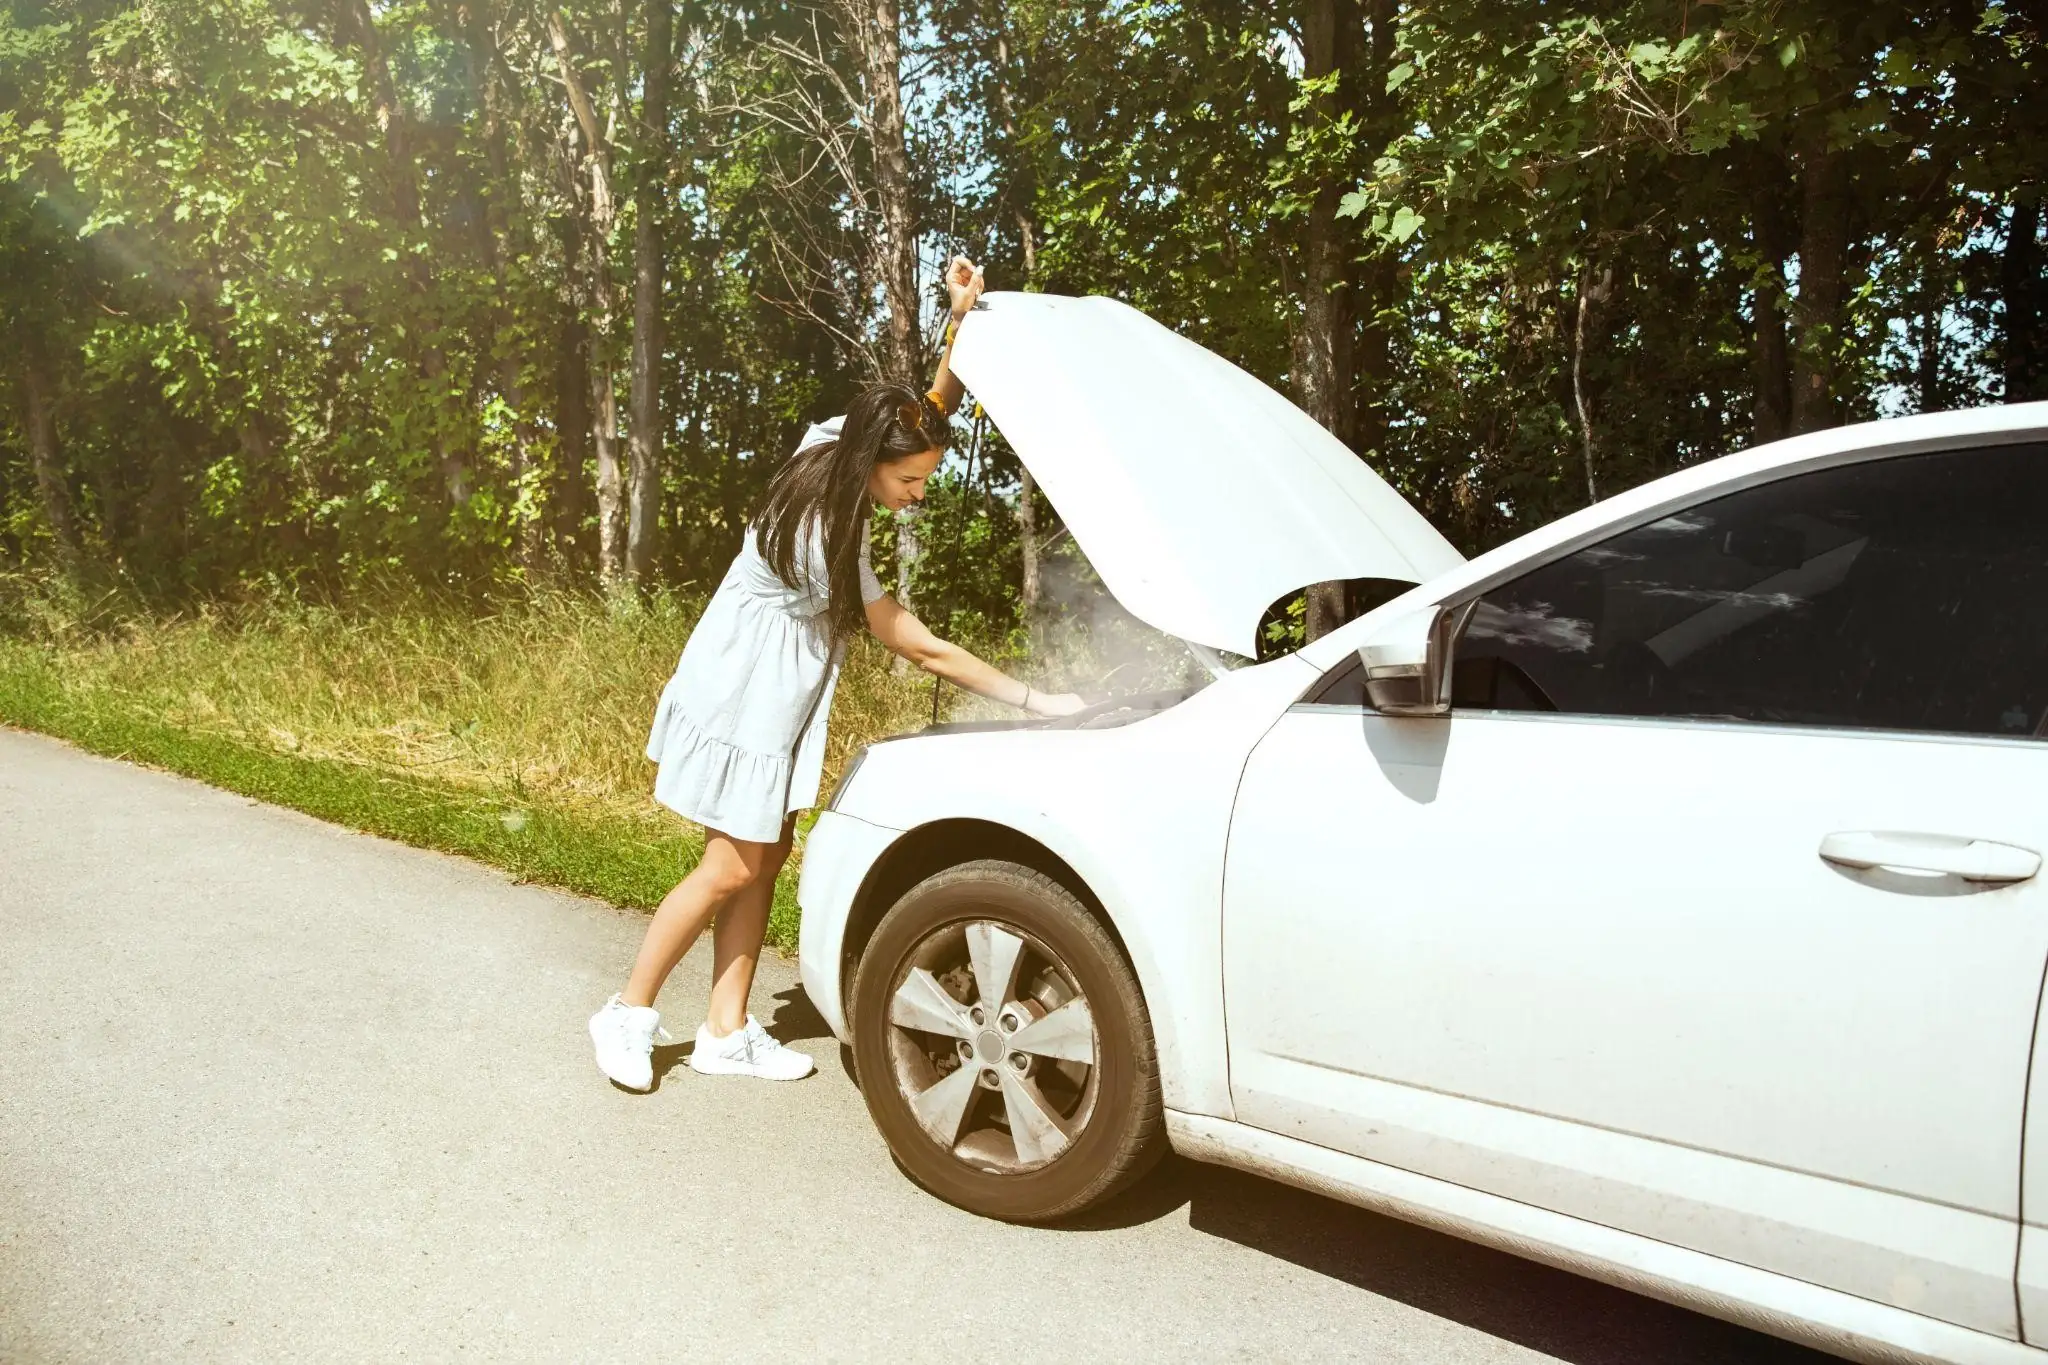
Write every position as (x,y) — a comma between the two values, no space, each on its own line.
(968,578)
(315,306)
(1641,154)
(1162,134)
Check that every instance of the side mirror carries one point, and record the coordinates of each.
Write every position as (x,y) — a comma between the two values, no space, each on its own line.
(1407,661)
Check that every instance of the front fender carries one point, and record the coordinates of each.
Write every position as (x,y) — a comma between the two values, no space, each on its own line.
(1141,814)
(840,854)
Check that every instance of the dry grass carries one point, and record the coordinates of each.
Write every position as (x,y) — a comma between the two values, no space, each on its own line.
(537,707)
(547,696)
(514,733)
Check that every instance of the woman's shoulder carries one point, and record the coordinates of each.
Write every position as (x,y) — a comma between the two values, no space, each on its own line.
(820,432)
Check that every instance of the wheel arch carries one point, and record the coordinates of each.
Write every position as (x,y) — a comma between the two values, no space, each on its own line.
(934,847)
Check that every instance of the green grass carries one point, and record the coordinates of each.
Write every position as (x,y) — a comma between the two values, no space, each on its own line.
(510,731)
(566,844)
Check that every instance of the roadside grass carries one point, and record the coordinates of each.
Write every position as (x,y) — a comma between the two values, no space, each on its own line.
(512,734)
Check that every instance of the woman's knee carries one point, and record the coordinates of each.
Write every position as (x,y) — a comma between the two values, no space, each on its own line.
(729,867)
(723,876)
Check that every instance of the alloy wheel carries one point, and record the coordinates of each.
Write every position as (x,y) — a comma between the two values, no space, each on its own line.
(993,1046)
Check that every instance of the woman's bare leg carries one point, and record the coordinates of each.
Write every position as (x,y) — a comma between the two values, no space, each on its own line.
(736,943)
(729,866)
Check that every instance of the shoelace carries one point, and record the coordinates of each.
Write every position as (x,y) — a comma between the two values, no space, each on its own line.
(659,1032)
(756,1036)
(627,1030)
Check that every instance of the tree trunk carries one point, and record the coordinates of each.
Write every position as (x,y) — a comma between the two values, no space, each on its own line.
(159,528)
(1020,184)
(1322,366)
(112,511)
(1027,540)
(252,432)
(876,26)
(1823,252)
(1930,357)
(1322,335)
(2025,329)
(452,455)
(1021,192)
(405,194)
(526,495)
(46,456)
(1770,364)
(604,440)
(1375,280)
(597,275)
(487,77)
(1770,359)
(572,431)
(1593,292)
(644,431)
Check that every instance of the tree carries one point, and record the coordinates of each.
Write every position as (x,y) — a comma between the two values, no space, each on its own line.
(597,299)
(644,442)
(327,296)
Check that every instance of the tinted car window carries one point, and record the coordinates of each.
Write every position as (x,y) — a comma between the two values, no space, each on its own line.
(1908,593)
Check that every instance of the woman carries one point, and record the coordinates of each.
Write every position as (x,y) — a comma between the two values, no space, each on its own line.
(740,729)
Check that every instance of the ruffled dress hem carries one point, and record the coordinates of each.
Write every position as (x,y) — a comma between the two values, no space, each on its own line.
(717,784)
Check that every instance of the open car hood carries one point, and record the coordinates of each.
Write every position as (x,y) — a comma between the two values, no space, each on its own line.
(1200,495)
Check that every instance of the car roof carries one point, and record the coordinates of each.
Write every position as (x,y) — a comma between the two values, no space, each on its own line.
(2002,425)
(2005,424)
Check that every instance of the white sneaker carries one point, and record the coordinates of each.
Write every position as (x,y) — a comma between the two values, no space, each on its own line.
(624,1038)
(748,1051)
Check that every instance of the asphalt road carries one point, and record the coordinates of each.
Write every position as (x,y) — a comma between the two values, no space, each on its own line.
(271,1090)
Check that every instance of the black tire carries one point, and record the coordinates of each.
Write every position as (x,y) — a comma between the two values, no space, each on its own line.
(1121,1138)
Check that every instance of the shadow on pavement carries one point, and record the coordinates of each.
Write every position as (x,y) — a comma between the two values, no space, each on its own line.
(793,1020)
(1560,1314)
(1547,1310)
(668,1056)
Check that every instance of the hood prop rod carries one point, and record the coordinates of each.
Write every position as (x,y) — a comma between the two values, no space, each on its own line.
(1207,658)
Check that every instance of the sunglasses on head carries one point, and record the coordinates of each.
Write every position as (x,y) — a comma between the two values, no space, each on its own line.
(911,415)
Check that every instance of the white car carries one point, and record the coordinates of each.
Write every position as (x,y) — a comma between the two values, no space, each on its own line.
(1655,896)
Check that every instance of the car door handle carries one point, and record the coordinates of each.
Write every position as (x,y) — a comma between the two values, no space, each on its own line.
(1974,860)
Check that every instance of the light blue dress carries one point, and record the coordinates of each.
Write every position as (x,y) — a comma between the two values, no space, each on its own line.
(739,733)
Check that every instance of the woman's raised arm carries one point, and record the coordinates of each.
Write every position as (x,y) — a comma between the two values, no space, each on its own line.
(911,639)
(908,637)
(964,286)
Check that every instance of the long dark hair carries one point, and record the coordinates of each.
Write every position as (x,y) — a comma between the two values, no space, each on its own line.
(826,484)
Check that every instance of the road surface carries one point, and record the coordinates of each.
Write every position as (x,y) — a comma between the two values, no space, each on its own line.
(271,1090)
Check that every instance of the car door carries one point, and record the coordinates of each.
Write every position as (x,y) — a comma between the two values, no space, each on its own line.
(1711,910)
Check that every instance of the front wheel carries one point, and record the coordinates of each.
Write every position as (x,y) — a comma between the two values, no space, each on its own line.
(1003,1047)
